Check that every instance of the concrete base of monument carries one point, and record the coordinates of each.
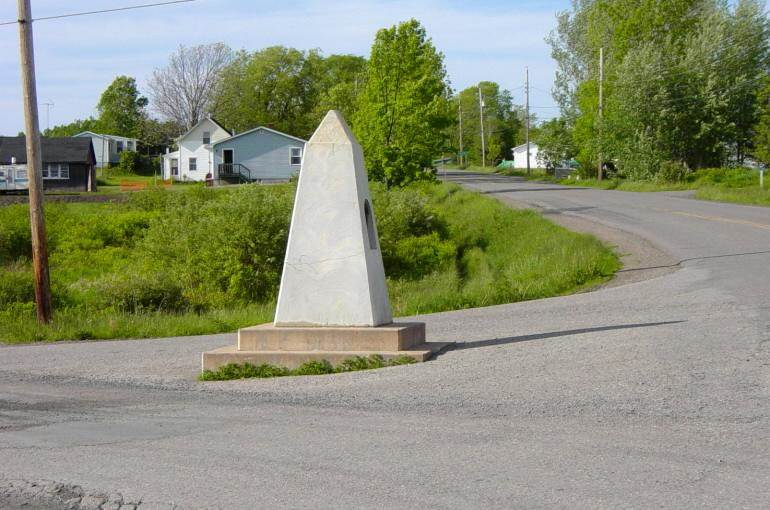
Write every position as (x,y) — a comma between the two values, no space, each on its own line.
(292,346)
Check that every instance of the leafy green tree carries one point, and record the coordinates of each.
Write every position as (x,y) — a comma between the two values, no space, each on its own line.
(73,128)
(275,86)
(503,122)
(404,109)
(554,141)
(121,108)
(343,77)
(681,78)
(762,136)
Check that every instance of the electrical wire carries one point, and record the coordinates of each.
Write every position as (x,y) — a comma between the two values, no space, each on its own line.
(128,8)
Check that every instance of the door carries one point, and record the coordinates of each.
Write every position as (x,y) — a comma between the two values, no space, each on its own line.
(228,155)
(174,167)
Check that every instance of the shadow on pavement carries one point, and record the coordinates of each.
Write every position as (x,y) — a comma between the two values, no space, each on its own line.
(555,334)
(512,190)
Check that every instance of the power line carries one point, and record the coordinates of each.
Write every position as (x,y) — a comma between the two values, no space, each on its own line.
(87,13)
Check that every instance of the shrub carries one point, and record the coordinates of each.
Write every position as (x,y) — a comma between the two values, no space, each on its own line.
(142,292)
(15,237)
(16,286)
(671,171)
(133,163)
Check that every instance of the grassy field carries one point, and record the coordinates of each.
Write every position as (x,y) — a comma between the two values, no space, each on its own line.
(736,185)
(202,261)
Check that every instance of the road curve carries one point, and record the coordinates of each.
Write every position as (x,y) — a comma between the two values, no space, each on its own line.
(653,393)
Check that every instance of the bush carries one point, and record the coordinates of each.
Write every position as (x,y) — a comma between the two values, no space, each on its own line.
(142,292)
(16,286)
(671,172)
(133,163)
(15,236)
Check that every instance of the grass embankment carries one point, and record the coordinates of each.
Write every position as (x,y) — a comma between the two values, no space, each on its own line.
(204,261)
(737,185)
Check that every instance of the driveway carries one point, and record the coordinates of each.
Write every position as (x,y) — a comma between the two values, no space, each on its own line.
(652,392)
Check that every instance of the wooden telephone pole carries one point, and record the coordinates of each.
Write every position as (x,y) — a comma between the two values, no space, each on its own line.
(526,91)
(460,108)
(483,141)
(34,166)
(601,112)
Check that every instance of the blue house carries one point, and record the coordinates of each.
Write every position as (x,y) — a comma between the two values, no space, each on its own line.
(258,155)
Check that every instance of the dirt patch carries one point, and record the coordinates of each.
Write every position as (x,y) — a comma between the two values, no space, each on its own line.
(91,197)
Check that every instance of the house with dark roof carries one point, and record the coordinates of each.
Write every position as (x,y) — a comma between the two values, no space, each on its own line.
(69,164)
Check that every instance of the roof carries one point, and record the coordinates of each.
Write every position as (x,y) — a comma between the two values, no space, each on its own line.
(259,128)
(524,145)
(174,154)
(212,119)
(55,150)
(114,137)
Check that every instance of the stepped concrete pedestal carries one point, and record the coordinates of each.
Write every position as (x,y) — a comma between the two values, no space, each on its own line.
(333,301)
(293,346)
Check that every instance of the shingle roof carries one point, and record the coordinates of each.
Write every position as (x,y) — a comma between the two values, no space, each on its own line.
(55,150)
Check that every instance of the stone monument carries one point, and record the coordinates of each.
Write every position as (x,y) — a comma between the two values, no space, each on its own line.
(333,301)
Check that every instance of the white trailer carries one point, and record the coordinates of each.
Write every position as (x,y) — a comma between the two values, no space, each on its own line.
(13,178)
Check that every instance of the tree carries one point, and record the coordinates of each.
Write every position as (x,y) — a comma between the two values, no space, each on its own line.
(183,90)
(276,87)
(121,108)
(681,79)
(404,109)
(342,78)
(73,128)
(157,135)
(503,122)
(554,142)
(762,136)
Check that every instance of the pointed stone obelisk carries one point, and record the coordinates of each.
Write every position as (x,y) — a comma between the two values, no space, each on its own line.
(333,302)
(333,273)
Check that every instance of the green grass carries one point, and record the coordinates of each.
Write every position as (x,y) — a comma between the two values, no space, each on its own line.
(206,261)
(735,185)
(233,371)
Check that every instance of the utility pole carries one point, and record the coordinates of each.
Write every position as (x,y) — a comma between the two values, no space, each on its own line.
(483,141)
(601,112)
(48,107)
(460,108)
(34,165)
(526,91)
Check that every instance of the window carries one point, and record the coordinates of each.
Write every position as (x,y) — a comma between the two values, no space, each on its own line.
(56,171)
(120,146)
(193,164)
(206,137)
(21,174)
(296,155)
(130,145)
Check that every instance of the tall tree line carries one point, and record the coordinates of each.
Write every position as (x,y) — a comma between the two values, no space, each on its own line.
(681,81)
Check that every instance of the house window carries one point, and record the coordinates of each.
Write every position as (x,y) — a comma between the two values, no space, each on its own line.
(206,137)
(296,155)
(21,174)
(193,164)
(120,146)
(130,145)
(56,171)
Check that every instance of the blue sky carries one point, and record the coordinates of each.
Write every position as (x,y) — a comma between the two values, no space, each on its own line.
(78,57)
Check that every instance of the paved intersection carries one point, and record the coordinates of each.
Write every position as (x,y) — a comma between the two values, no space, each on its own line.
(654,392)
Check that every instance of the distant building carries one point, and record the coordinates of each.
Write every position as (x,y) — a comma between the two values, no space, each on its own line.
(520,156)
(210,151)
(260,154)
(69,164)
(107,148)
(193,161)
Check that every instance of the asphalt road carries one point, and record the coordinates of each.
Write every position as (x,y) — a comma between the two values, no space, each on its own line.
(654,392)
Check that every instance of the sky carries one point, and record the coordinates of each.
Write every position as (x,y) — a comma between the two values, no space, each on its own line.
(77,58)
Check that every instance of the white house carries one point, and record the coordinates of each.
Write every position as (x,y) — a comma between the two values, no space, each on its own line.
(194,159)
(107,148)
(520,156)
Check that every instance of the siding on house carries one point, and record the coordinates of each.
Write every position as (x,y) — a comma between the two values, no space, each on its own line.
(266,153)
(520,156)
(191,146)
(106,147)
(76,154)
